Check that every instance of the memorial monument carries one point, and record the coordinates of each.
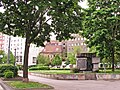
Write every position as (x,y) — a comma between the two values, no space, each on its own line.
(87,62)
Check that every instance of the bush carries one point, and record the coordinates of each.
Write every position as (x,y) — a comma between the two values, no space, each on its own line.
(1,74)
(40,68)
(8,74)
(75,70)
(4,67)
(59,68)
(44,68)
(56,61)
(20,67)
(32,66)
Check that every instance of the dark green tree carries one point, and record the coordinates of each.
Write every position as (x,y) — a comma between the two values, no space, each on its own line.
(3,58)
(71,57)
(29,19)
(102,27)
(41,59)
(56,61)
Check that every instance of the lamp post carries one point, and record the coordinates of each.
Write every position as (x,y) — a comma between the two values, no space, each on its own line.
(14,61)
(15,57)
(8,59)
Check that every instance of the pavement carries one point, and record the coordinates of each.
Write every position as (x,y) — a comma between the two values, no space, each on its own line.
(1,88)
(4,86)
(73,84)
(78,84)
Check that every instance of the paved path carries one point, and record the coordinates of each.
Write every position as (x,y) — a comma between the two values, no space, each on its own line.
(1,88)
(79,84)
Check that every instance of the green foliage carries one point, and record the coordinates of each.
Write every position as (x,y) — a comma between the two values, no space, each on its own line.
(39,68)
(8,74)
(75,70)
(41,59)
(59,69)
(71,58)
(4,67)
(20,67)
(3,60)
(67,62)
(56,61)
(102,27)
(30,19)
(77,49)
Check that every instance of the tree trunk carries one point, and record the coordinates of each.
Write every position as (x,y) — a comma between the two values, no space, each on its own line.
(25,65)
(113,60)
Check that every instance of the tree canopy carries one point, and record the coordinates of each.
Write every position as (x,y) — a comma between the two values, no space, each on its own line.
(3,57)
(36,19)
(102,27)
(56,61)
(41,59)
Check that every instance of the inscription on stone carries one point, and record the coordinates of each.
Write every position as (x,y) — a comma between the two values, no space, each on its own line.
(81,63)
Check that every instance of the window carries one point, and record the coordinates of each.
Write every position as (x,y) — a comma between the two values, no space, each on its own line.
(17,59)
(20,58)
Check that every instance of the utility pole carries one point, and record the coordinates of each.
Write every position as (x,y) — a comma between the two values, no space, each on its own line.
(15,57)
(8,59)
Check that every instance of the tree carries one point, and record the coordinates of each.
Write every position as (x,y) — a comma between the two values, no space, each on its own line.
(71,57)
(102,27)
(56,61)
(41,59)
(29,19)
(77,49)
(4,57)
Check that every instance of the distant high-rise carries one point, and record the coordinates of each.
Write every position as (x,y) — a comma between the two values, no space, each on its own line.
(17,47)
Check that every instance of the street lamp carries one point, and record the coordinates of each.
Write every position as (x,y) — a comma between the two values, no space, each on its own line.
(14,61)
(15,57)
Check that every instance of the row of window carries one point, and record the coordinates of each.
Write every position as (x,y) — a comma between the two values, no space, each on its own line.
(77,39)
(77,44)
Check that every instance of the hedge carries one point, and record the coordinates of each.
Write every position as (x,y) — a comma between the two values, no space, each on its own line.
(4,67)
(59,68)
(40,68)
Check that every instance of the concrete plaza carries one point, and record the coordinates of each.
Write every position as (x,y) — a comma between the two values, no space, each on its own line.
(79,84)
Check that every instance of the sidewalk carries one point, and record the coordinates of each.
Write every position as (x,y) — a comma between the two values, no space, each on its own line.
(1,88)
(4,86)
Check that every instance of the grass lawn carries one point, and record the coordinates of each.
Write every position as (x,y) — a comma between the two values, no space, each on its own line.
(117,71)
(52,71)
(29,85)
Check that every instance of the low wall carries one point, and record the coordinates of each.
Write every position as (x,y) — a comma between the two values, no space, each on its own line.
(82,76)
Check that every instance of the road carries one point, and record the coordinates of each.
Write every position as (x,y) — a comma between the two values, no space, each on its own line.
(79,84)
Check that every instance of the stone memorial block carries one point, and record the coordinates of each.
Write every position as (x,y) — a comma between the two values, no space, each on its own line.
(95,60)
(81,63)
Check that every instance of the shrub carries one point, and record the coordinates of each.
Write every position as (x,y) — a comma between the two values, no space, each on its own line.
(8,74)
(59,68)
(20,67)
(4,67)
(1,74)
(40,68)
(34,68)
(75,70)
(44,68)
(57,61)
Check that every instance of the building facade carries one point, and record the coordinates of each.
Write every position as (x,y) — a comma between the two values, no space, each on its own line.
(17,47)
(52,48)
(63,48)
(77,41)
